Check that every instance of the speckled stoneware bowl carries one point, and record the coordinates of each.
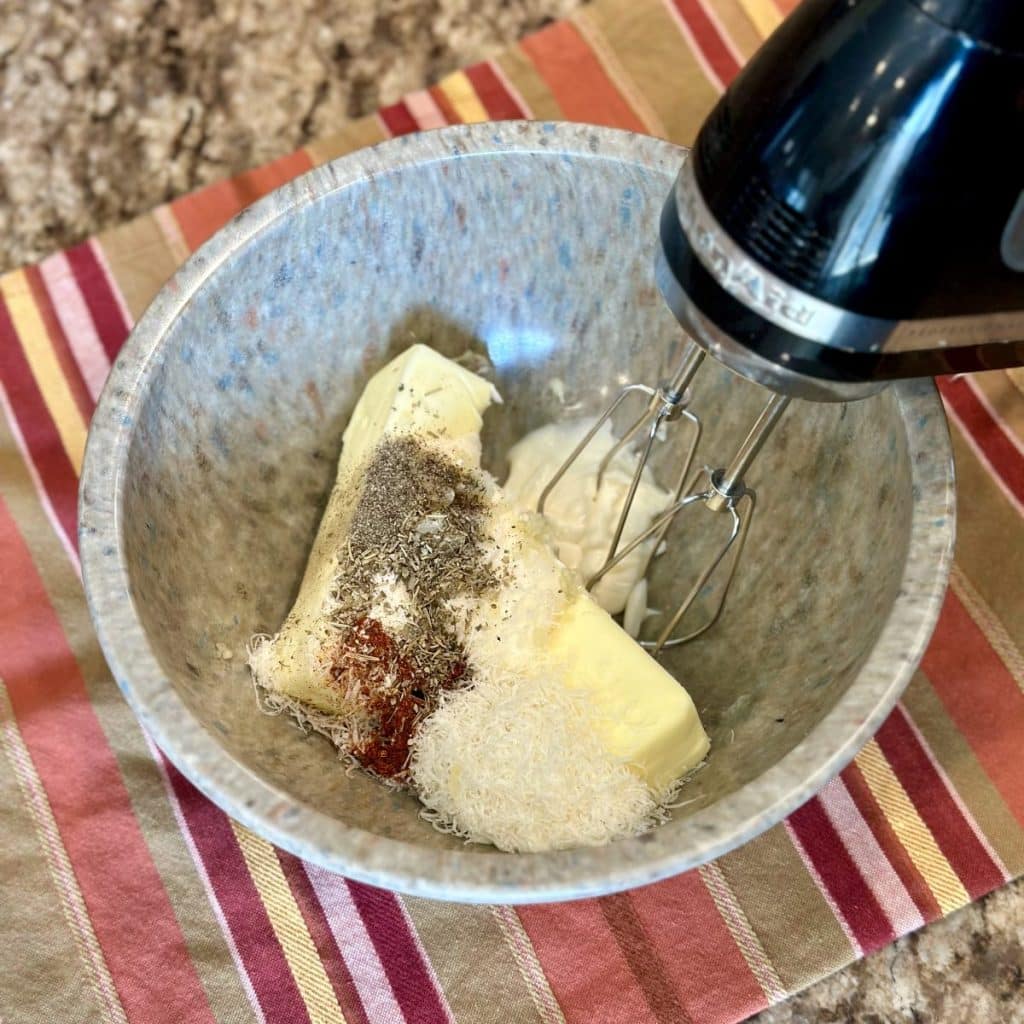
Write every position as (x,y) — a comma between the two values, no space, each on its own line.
(214,446)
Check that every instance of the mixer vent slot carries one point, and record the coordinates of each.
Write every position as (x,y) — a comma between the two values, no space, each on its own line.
(777,235)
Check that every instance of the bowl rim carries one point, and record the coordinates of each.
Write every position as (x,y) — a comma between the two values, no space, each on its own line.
(461,875)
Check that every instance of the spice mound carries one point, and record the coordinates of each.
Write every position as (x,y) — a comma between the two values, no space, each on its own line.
(442,646)
(413,547)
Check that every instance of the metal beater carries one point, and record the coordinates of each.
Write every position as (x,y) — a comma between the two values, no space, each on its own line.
(720,490)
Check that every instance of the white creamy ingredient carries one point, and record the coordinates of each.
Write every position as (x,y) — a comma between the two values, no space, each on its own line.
(581,517)
(636,609)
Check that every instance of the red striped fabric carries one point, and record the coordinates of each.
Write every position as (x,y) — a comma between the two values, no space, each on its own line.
(643,960)
(593,983)
(257,182)
(871,861)
(492,92)
(705,965)
(389,931)
(715,49)
(201,213)
(884,835)
(962,665)
(664,953)
(577,78)
(90,357)
(450,114)
(954,836)
(145,949)
(56,474)
(104,308)
(846,885)
(354,942)
(59,342)
(323,939)
(240,903)
(988,435)
(397,119)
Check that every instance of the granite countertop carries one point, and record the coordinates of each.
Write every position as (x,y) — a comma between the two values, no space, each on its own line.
(109,107)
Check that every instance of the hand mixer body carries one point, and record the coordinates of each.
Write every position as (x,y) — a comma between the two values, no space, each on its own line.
(852,212)
(853,209)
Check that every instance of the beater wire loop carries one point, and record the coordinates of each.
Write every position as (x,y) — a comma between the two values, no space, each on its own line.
(720,490)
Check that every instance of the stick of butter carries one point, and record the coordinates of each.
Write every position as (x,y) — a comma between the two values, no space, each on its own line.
(419,393)
(647,720)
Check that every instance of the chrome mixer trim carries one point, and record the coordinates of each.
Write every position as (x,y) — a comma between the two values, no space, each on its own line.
(746,362)
(753,284)
(953,331)
(756,287)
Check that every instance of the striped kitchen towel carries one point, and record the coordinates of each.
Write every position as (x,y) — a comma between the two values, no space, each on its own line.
(128,897)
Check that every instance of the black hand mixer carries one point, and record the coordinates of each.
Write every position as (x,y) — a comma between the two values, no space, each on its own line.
(851,213)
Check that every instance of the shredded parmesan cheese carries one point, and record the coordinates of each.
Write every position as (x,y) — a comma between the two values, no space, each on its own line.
(515,762)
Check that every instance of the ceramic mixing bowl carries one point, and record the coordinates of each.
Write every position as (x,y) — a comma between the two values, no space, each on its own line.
(214,446)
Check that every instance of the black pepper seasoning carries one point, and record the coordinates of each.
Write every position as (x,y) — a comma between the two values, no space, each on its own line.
(420,519)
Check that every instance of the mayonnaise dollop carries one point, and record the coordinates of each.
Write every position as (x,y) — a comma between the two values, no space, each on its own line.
(582,516)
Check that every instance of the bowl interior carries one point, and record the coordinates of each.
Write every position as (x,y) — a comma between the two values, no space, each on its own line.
(544,260)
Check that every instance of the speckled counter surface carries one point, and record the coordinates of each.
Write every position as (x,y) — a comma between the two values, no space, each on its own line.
(967,968)
(108,107)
